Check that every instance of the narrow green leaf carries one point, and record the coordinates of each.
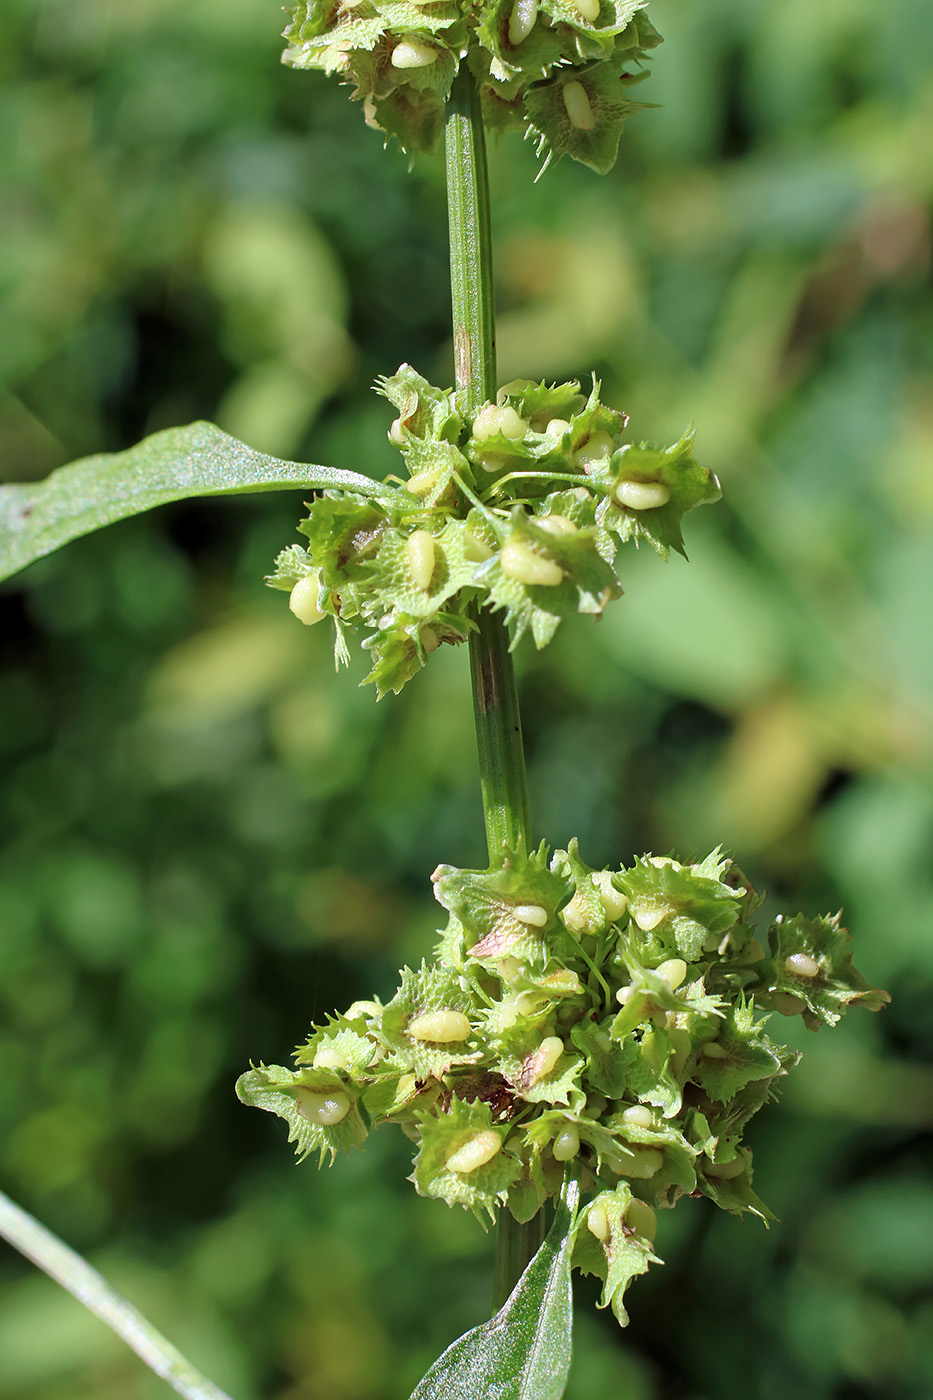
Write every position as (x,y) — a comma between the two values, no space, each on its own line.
(199,460)
(523,1353)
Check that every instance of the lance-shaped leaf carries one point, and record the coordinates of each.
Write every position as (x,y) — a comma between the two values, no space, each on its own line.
(524,1352)
(199,460)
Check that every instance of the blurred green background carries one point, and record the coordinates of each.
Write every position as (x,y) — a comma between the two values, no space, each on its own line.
(209,838)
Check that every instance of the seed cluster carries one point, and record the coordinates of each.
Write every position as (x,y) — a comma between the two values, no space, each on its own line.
(611,1023)
(558,70)
(521,508)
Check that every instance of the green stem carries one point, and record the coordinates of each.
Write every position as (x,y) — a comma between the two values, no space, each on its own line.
(495,697)
(86,1284)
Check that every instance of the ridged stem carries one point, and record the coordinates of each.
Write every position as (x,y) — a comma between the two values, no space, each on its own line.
(495,697)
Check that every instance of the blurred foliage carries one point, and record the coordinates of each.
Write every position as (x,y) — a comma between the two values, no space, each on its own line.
(209,838)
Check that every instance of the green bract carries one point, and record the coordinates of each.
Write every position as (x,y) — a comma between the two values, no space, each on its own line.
(401,57)
(608,1022)
(522,509)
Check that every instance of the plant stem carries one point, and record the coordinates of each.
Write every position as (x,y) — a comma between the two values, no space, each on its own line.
(495,697)
(87,1285)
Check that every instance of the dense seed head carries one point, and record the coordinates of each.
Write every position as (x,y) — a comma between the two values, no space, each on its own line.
(442,1027)
(642,495)
(475,1153)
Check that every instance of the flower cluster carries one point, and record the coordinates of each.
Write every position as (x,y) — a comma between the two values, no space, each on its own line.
(557,69)
(607,1022)
(520,509)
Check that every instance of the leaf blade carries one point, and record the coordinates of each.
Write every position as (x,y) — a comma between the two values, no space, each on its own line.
(524,1352)
(176,464)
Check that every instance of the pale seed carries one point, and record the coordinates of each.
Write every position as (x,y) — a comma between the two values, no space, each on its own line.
(533,914)
(442,1027)
(495,422)
(577,105)
(589,9)
(322,1110)
(303,600)
(597,1221)
(674,972)
(327,1056)
(639,1116)
(802,965)
(522,20)
(421,558)
(520,562)
(648,1162)
(556,525)
(787,1005)
(566,1145)
(411,54)
(598,447)
(642,1219)
(642,495)
(475,1153)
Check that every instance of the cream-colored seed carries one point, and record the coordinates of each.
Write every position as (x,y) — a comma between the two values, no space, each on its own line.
(597,1221)
(303,600)
(598,447)
(588,9)
(366,1009)
(614,901)
(639,1116)
(642,495)
(556,525)
(422,557)
(802,965)
(726,1171)
(787,1005)
(647,1163)
(327,1056)
(522,20)
(515,386)
(534,914)
(624,994)
(546,1056)
(674,972)
(442,1027)
(395,433)
(558,426)
(577,105)
(713,1050)
(429,638)
(495,422)
(576,918)
(520,562)
(322,1110)
(422,482)
(475,1153)
(412,54)
(566,1145)
(642,1219)
(648,915)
